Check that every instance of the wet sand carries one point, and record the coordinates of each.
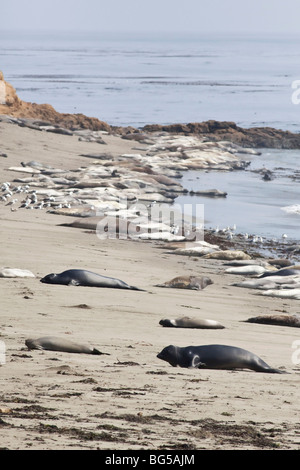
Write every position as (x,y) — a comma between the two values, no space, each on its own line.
(129,399)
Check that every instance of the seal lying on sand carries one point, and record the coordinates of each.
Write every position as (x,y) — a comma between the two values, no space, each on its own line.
(282,263)
(53,343)
(81,277)
(15,272)
(283,293)
(247,270)
(292,271)
(214,356)
(187,322)
(269,282)
(187,282)
(277,319)
(227,255)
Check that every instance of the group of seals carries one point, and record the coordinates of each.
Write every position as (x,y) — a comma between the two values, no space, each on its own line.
(218,356)
(82,277)
(215,356)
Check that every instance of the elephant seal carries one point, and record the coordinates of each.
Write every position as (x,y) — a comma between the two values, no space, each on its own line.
(292,271)
(268,282)
(194,251)
(283,293)
(187,322)
(227,255)
(239,263)
(52,343)
(282,263)
(214,356)
(277,319)
(15,272)
(81,277)
(103,224)
(187,282)
(252,269)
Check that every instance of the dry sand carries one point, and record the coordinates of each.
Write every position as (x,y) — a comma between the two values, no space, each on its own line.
(128,399)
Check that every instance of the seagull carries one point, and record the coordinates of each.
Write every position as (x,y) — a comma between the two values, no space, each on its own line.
(5,186)
(12,202)
(25,203)
(174,229)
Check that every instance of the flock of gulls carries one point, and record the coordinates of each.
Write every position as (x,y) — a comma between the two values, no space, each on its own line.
(127,187)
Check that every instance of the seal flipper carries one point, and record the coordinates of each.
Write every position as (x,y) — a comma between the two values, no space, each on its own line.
(39,347)
(97,352)
(137,288)
(196,363)
(273,371)
(74,283)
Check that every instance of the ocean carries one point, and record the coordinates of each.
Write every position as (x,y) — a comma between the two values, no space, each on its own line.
(134,80)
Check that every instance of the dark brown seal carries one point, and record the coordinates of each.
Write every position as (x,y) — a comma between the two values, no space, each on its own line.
(277,319)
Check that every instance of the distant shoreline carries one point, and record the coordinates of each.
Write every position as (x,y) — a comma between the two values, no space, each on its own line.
(254,137)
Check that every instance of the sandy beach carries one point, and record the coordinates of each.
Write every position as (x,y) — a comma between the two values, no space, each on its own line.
(128,399)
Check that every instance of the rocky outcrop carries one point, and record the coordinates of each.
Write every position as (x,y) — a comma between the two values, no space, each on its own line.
(11,105)
(255,137)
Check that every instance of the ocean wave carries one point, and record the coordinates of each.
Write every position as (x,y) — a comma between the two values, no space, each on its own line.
(294,209)
(210,83)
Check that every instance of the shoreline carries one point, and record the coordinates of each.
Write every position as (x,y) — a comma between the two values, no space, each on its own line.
(195,153)
(35,115)
(129,399)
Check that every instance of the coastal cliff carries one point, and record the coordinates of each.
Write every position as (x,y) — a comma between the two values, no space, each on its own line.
(12,105)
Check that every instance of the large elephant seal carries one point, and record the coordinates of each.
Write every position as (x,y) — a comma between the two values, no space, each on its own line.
(81,277)
(283,293)
(187,282)
(292,271)
(187,322)
(277,319)
(214,356)
(247,270)
(227,255)
(52,343)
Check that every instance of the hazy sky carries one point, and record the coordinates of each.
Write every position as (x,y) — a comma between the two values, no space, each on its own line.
(257,16)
